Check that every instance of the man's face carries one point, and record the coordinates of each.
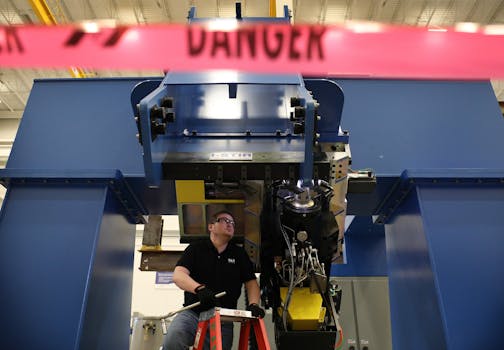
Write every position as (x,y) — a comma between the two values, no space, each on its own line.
(224,225)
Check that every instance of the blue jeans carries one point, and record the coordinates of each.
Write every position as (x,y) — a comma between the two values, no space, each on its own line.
(182,331)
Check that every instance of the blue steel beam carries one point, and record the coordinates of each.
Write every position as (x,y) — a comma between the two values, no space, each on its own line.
(66,257)
(444,248)
(398,125)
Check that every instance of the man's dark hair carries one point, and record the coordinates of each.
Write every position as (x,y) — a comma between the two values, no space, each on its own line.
(216,215)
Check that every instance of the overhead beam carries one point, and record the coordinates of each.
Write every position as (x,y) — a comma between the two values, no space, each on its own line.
(45,15)
(43,12)
(272,8)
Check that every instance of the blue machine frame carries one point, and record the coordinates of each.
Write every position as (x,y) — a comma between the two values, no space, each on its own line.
(77,183)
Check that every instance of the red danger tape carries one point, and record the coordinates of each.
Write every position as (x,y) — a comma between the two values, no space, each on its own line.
(353,50)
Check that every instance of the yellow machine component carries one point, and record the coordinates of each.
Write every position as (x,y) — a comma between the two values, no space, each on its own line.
(193,191)
(305,310)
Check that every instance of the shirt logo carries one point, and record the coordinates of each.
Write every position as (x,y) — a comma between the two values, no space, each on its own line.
(231,260)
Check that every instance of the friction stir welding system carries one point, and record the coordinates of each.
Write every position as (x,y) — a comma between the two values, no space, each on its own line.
(426,204)
(269,165)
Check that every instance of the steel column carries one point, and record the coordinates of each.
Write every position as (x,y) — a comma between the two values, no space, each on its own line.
(66,257)
(444,252)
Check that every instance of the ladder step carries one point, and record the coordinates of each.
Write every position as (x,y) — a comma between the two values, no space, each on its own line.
(235,315)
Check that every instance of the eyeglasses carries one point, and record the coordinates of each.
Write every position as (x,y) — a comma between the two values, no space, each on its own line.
(226,220)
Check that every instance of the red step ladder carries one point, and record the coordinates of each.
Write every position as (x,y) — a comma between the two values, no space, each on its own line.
(213,317)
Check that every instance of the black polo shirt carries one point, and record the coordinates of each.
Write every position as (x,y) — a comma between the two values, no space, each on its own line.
(226,271)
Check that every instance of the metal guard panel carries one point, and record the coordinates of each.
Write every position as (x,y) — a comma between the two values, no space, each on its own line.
(404,124)
(230,77)
(212,113)
(78,124)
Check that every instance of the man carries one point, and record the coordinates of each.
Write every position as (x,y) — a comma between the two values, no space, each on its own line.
(206,268)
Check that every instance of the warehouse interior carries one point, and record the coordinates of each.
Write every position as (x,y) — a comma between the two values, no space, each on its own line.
(409,257)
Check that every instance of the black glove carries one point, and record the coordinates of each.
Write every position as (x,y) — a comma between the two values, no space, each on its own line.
(206,297)
(256,310)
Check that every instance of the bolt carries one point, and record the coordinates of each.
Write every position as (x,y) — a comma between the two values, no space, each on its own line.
(295,101)
(299,112)
(167,102)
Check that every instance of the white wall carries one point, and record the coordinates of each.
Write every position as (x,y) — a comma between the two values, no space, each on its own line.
(148,298)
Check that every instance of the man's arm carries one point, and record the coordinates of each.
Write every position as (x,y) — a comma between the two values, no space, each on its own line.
(253,292)
(183,280)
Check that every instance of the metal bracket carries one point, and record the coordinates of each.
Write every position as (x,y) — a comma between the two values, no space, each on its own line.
(410,179)
(153,231)
(133,208)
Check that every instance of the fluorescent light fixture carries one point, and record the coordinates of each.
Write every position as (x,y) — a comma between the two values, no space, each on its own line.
(93,27)
(467,27)
(442,30)
(223,24)
(90,27)
(364,27)
(494,29)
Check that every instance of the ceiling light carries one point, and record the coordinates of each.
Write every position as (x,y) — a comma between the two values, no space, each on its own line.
(223,24)
(494,29)
(467,27)
(364,27)
(437,29)
(93,27)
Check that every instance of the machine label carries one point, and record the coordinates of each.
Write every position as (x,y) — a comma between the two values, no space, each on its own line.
(231,156)
(349,50)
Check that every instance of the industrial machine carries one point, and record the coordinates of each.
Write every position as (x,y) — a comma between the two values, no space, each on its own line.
(423,183)
(271,165)
(271,153)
